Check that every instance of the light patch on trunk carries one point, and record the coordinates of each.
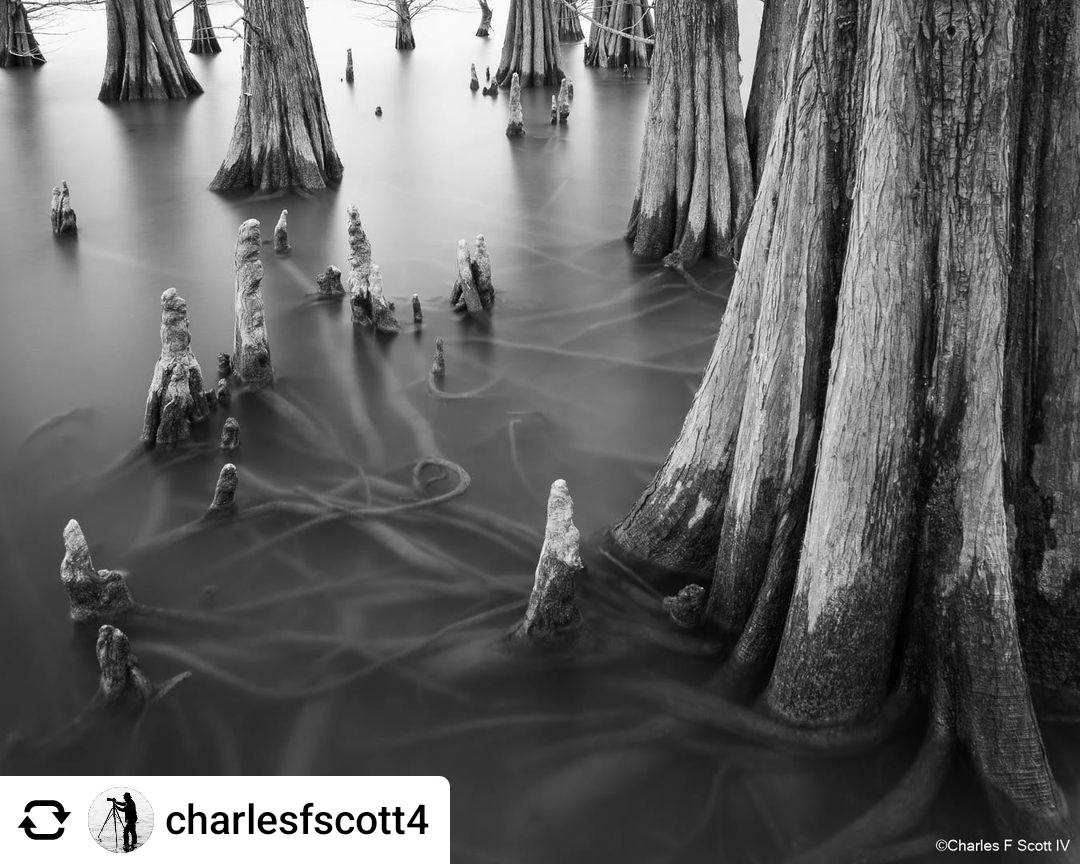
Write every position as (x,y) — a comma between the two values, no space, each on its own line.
(704,505)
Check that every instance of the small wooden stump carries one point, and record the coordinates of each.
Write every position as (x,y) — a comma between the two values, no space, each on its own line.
(122,680)
(552,615)
(438,362)
(474,82)
(222,392)
(417,312)
(94,595)
(473,290)
(328,283)
(251,345)
(562,103)
(62,216)
(515,123)
(224,502)
(378,110)
(224,365)
(230,435)
(281,234)
(382,314)
(484,30)
(176,398)
(348,66)
(554,111)
(686,608)
(359,270)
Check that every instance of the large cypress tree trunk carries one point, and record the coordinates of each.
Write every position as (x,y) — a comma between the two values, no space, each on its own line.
(18,47)
(404,39)
(881,465)
(203,38)
(695,191)
(531,45)
(770,69)
(144,59)
(605,48)
(282,137)
(569,22)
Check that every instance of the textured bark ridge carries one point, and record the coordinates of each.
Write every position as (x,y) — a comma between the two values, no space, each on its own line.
(251,345)
(880,465)
(473,290)
(515,118)
(695,190)
(203,38)
(224,502)
(144,59)
(122,680)
(94,595)
(531,46)
(176,398)
(403,39)
(552,614)
(60,213)
(484,30)
(281,138)
(328,283)
(569,22)
(633,17)
(778,22)
(18,47)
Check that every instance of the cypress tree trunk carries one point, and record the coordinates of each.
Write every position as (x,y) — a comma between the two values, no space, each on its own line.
(695,191)
(18,47)
(282,137)
(484,30)
(770,69)
(404,39)
(569,23)
(531,45)
(203,39)
(612,50)
(881,464)
(143,55)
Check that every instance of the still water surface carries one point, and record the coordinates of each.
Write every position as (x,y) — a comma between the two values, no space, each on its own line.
(585,372)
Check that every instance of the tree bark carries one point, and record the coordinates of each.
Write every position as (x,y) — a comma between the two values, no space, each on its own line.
(404,39)
(18,47)
(203,38)
(143,55)
(569,23)
(531,45)
(883,456)
(695,190)
(282,137)
(770,70)
(612,50)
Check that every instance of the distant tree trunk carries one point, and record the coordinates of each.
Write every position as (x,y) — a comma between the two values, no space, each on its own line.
(18,47)
(612,50)
(531,46)
(773,53)
(484,30)
(695,190)
(405,39)
(143,55)
(882,464)
(569,23)
(203,39)
(282,137)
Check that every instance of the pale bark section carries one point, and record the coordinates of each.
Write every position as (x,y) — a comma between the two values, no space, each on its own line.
(18,47)
(778,22)
(607,48)
(837,647)
(531,45)
(282,136)
(144,59)
(695,190)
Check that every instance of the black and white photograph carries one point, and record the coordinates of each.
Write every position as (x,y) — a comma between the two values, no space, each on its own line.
(658,418)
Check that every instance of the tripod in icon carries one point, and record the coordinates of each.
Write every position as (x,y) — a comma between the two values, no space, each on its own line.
(116,817)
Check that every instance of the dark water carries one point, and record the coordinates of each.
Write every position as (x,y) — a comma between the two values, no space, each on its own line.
(585,373)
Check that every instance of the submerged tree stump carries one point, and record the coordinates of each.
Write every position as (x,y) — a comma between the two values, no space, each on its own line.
(281,234)
(562,102)
(404,39)
(612,50)
(144,59)
(531,45)
(380,310)
(569,22)
(474,79)
(484,30)
(251,345)
(224,501)
(515,121)
(221,391)
(687,607)
(62,216)
(552,615)
(328,283)
(349,76)
(18,47)
(230,435)
(122,680)
(438,361)
(281,138)
(203,38)
(224,365)
(359,270)
(473,291)
(94,595)
(417,312)
(176,398)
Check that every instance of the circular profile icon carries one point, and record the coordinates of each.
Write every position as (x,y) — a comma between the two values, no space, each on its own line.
(121,819)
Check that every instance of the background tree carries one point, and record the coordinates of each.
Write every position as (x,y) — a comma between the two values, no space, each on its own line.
(18,47)
(399,14)
(695,190)
(203,38)
(143,55)
(569,22)
(281,138)
(484,30)
(880,466)
(612,18)
(531,45)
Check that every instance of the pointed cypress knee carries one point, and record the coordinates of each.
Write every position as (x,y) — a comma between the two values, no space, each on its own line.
(687,607)
(328,283)
(230,435)
(515,123)
(348,66)
(438,362)
(176,398)
(224,502)
(281,234)
(122,680)
(94,595)
(251,345)
(474,82)
(61,215)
